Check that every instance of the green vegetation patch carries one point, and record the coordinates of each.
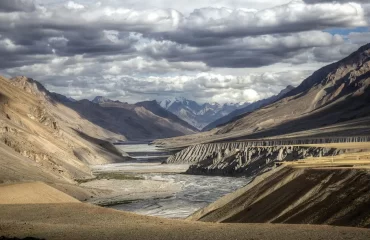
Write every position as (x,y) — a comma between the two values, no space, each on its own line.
(108,176)
(118,176)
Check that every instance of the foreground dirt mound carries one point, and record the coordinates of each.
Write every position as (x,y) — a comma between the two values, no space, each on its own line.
(298,196)
(32,193)
(82,221)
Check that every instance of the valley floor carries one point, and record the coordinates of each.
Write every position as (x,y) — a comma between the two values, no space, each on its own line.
(72,220)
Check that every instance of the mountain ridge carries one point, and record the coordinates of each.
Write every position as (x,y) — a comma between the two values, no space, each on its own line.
(250,108)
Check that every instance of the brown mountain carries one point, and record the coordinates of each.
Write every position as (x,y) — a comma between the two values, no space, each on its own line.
(133,121)
(333,101)
(334,94)
(42,139)
(141,121)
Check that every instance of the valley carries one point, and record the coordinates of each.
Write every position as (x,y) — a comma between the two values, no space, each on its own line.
(294,168)
(151,188)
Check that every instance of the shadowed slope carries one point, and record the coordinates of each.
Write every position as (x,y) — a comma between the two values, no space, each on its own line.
(155,108)
(134,122)
(298,196)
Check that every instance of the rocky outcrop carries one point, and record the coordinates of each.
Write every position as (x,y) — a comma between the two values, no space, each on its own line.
(249,158)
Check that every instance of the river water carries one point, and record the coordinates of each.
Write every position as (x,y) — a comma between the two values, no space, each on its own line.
(196,191)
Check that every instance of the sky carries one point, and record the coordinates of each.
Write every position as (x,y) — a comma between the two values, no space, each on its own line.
(224,51)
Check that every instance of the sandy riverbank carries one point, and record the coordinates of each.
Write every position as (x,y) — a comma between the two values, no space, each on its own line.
(124,182)
(120,191)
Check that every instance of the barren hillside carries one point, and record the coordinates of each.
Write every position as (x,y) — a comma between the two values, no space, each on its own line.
(45,139)
(297,196)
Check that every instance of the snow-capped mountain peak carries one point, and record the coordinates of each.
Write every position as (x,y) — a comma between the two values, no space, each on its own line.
(198,115)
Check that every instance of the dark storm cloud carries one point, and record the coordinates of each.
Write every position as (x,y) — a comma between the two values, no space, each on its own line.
(254,51)
(218,37)
(212,26)
(92,43)
(17,6)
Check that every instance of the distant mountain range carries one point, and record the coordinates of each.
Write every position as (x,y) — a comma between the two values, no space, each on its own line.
(143,120)
(199,115)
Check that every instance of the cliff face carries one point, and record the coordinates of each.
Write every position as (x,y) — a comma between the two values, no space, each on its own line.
(252,160)
(249,158)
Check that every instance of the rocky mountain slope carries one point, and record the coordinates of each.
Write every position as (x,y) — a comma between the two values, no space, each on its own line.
(199,115)
(336,93)
(249,108)
(42,139)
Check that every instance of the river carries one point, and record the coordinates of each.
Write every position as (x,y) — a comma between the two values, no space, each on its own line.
(195,191)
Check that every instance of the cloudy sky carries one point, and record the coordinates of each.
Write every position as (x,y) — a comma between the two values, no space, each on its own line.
(208,50)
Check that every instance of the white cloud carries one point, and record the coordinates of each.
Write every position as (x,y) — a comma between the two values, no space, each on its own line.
(7,45)
(359,37)
(74,6)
